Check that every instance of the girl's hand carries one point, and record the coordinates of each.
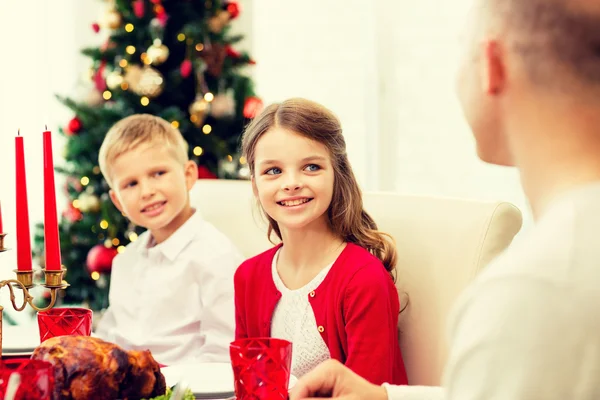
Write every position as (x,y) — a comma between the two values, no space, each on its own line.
(333,380)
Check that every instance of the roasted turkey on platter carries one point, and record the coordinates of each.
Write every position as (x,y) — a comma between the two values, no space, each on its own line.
(90,368)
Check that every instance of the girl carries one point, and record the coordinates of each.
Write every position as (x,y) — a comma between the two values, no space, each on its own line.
(328,286)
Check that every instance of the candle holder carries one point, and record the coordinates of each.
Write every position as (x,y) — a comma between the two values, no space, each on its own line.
(2,236)
(24,282)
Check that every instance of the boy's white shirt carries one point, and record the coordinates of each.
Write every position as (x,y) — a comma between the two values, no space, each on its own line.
(175,298)
(529,326)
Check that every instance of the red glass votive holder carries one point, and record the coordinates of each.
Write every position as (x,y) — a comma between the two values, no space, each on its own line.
(24,379)
(261,368)
(64,321)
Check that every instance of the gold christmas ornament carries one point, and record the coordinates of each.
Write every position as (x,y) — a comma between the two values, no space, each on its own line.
(114,80)
(133,74)
(94,98)
(88,202)
(144,81)
(219,21)
(157,53)
(223,105)
(112,19)
(198,110)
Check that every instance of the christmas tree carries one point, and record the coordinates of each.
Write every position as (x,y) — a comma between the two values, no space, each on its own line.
(171,58)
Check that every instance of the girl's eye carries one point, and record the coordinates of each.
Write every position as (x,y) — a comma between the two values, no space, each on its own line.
(312,167)
(273,171)
(130,184)
(159,173)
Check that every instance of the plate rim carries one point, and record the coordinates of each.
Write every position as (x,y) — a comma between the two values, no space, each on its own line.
(292,382)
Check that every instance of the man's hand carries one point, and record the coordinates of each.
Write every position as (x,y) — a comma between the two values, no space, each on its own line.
(333,380)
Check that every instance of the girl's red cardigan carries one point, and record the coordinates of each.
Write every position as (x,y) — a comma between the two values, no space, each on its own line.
(356,308)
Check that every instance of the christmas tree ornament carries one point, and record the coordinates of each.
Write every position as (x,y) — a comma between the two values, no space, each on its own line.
(132,76)
(96,27)
(157,53)
(112,19)
(100,258)
(72,214)
(217,23)
(74,184)
(185,69)
(231,52)
(213,56)
(223,105)
(88,202)
(99,80)
(198,110)
(114,80)
(74,125)
(144,81)
(139,8)
(252,107)
(93,98)
(233,8)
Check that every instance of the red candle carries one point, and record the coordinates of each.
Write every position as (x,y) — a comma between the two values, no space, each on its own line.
(51,241)
(23,238)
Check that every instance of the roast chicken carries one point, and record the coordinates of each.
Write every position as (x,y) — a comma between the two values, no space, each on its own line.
(90,368)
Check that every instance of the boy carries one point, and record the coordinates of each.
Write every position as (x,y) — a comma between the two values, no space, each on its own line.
(172,289)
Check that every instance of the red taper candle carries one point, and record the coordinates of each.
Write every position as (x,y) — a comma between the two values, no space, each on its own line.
(23,237)
(51,239)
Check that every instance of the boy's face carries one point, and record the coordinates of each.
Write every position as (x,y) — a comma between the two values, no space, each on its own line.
(151,188)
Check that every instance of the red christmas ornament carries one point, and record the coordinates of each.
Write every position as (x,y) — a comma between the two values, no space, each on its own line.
(99,81)
(186,68)
(251,62)
(96,27)
(252,107)
(233,8)
(74,126)
(72,214)
(161,14)
(139,8)
(100,258)
(205,173)
(231,52)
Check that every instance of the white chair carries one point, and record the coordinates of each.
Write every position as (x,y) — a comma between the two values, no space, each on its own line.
(442,244)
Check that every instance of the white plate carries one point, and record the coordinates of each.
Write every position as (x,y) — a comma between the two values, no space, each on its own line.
(17,353)
(18,339)
(205,379)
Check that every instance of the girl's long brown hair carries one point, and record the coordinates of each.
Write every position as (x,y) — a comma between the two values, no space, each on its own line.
(347,218)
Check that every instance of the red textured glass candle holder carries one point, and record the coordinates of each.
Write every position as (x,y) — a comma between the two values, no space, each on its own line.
(64,321)
(261,368)
(24,379)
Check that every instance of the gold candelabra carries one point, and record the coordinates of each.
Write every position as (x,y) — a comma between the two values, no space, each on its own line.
(53,281)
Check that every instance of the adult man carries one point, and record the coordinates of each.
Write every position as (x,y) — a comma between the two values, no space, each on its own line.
(528,326)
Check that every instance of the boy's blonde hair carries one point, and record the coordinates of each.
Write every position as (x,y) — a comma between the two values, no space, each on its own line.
(135,130)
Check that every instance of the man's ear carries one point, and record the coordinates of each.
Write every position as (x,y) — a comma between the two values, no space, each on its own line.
(493,72)
(191,174)
(115,199)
